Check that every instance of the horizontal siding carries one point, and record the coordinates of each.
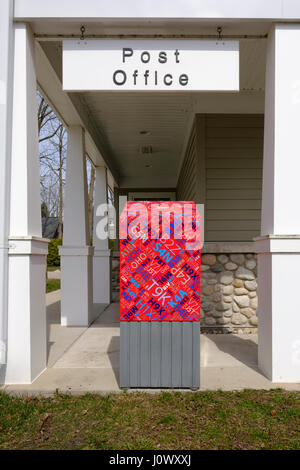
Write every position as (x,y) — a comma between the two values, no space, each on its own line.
(186,187)
(230,235)
(233,161)
(239,153)
(230,194)
(241,224)
(235,133)
(233,214)
(234,120)
(229,183)
(232,204)
(232,142)
(223,173)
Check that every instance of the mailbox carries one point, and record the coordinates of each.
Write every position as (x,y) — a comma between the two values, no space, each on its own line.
(160,262)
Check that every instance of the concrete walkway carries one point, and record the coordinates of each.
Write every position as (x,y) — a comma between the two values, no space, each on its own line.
(87,359)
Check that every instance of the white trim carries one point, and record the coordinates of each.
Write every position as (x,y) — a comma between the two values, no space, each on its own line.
(28,246)
(167,9)
(277,244)
(76,250)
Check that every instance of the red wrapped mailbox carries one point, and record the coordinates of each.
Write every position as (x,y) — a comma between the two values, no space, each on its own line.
(160,262)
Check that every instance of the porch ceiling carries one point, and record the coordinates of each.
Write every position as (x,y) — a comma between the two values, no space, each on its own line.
(120,117)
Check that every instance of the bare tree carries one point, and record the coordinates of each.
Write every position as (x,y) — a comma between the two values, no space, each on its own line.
(45,117)
(52,145)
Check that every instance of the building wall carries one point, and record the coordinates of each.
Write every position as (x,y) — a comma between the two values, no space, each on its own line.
(233,165)
(186,187)
(228,149)
(222,168)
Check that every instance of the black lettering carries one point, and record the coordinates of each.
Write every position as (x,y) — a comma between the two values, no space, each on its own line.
(176,56)
(119,81)
(143,54)
(127,52)
(162,57)
(183,79)
(146,75)
(135,74)
(169,82)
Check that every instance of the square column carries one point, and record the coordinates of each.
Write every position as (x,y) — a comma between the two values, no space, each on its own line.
(27,340)
(279,246)
(102,262)
(6,71)
(76,252)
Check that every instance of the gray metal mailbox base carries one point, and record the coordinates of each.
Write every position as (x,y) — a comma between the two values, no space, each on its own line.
(160,354)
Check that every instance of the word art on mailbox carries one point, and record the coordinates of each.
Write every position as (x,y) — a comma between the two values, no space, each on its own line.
(160,262)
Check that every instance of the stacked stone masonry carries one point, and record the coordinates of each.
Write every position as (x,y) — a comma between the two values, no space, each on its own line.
(115,276)
(228,292)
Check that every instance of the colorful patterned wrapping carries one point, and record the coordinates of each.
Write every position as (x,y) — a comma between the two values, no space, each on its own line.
(160,261)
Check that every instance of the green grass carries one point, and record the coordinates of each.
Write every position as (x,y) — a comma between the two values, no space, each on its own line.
(204,420)
(52,284)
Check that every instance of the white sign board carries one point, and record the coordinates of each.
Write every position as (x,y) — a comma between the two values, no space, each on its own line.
(150,65)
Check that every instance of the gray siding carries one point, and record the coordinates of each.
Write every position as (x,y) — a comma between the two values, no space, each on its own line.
(186,188)
(231,159)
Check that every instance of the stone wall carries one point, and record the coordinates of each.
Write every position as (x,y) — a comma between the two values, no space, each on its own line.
(115,276)
(228,292)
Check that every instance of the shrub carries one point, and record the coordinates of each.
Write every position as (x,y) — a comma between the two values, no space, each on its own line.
(53,258)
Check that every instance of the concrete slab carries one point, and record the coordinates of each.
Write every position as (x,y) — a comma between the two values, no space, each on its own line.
(109,316)
(60,338)
(53,274)
(87,359)
(96,348)
(224,350)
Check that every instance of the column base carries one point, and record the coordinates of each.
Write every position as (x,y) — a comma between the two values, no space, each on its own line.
(102,276)
(76,285)
(279,307)
(27,333)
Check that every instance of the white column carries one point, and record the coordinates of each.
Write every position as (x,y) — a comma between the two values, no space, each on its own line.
(279,246)
(6,89)
(76,252)
(101,287)
(27,341)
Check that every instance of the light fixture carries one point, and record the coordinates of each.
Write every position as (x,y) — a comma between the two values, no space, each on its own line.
(146,149)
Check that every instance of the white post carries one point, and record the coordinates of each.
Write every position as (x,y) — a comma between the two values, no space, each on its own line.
(279,246)
(101,288)
(76,252)
(27,341)
(6,89)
